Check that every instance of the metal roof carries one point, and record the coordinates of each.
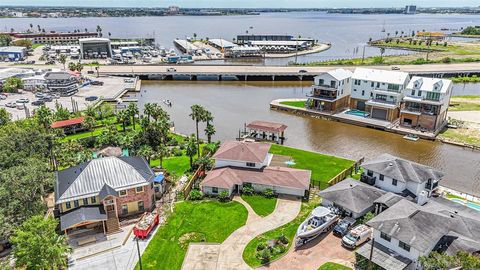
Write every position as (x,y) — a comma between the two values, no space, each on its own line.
(88,179)
(380,75)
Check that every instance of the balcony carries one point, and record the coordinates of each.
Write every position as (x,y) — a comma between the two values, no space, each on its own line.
(382,103)
(365,178)
(323,97)
(325,87)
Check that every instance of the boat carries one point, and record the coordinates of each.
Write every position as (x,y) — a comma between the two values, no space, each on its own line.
(411,137)
(319,221)
(167,102)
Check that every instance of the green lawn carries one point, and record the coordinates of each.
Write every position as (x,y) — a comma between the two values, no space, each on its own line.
(465,103)
(289,230)
(323,167)
(174,165)
(261,205)
(206,221)
(333,266)
(299,104)
(461,135)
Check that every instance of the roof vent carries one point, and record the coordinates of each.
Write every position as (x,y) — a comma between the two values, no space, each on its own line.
(390,164)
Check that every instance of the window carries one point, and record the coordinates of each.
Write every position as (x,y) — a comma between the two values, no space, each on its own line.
(381,177)
(124,209)
(419,93)
(385,237)
(433,96)
(413,92)
(141,206)
(75,203)
(320,81)
(393,87)
(378,85)
(250,164)
(372,84)
(122,193)
(333,84)
(139,189)
(85,201)
(404,246)
(369,173)
(363,92)
(214,190)
(394,182)
(68,205)
(93,199)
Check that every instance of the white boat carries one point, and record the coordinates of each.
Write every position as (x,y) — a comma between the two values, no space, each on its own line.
(411,137)
(167,102)
(320,220)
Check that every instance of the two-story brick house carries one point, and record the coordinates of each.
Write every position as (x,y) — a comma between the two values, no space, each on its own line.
(99,192)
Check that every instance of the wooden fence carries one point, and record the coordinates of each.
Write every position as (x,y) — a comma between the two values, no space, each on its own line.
(191,182)
(339,177)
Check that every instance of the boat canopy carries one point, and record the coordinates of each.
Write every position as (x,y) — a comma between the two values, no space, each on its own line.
(320,211)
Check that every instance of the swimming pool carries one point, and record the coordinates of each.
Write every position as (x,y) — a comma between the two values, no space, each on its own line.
(357,113)
(468,204)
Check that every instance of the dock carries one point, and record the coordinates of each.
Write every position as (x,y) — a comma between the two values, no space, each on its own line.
(185,46)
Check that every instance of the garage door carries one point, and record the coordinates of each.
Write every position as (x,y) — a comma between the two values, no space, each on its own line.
(379,114)
(361,105)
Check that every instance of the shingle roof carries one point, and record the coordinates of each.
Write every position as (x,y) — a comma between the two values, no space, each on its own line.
(267,126)
(242,151)
(389,199)
(423,226)
(352,195)
(82,214)
(379,75)
(88,179)
(273,176)
(402,169)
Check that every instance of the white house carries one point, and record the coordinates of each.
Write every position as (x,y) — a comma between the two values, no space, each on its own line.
(426,103)
(331,91)
(240,163)
(400,176)
(378,92)
(37,82)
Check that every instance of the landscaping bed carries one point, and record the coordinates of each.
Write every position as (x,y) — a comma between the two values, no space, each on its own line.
(333,266)
(205,221)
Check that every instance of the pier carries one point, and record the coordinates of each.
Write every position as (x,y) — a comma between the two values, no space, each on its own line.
(271,73)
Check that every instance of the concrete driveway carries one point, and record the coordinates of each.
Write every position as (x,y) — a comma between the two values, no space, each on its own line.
(326,248)
(228,255)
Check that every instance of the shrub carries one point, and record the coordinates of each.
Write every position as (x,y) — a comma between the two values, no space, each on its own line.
(446,60)
(177,152)
(223,196)
(248,190)
(282,239)
(261,246)
(195,195)
(172,142)
(268,193)
(265,255)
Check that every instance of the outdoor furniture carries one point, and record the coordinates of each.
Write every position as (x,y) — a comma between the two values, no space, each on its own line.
(86,240)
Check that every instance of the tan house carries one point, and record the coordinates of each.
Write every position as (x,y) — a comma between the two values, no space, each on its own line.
(95,194)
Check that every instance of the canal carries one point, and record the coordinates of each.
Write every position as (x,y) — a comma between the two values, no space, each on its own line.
(235,103)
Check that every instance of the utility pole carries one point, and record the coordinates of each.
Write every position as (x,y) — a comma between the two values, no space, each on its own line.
(370,263)
(139,255)
(363,54)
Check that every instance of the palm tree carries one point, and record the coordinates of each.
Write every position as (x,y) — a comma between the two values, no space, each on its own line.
(99,30)
(44,116)
(204,162)
(39,28)
(396,33)
(194,36)
(89,124)
(161,153)
(146,151)
(90,111)
(109,35)
(191,149)
(62,59)
(209,131)
(86,30)
(132,111)
(31,27)
(197,115)
(123,117)
(149,110)
(382,51)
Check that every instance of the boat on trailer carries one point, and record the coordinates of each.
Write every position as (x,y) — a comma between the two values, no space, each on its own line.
(411,137)
(321,220)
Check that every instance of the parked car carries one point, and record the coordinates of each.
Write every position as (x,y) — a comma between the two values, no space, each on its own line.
(20,106)
(90,72)
(96,83)
(395,68)
(2,97)
(302,71)
(91,98)
(55,96)
(128,80)
(357,236)
(23,100)
(11,105)
(46,98)
(39,95)
(343,226)
(171,69)
(38,102)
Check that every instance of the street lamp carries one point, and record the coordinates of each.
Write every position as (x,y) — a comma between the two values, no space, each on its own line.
(139,255)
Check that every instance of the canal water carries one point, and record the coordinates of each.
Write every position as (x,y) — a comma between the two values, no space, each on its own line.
(235,103)
(348,33)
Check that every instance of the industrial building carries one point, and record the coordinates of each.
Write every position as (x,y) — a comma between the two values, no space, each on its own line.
(53,37)
(245,39)
(91,48)
(13,53)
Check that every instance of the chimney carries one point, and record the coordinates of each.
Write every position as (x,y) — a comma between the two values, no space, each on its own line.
(422,197)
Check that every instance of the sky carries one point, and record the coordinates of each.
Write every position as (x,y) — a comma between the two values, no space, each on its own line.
(244,3)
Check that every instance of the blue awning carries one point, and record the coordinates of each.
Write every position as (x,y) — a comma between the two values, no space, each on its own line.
(159,178)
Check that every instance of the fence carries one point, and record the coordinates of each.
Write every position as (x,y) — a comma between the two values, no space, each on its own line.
(189,186)
(339,177)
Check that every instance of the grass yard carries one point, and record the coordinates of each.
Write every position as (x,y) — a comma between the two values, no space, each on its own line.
(174,165)
(206,221)
(333,266)
(461,135)
(261,205)
(299,104)
(465,103)
(288,230)
(323,167)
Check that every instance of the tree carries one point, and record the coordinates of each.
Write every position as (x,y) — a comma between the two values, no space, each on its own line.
(149,110)
(133,112)
(89,124)
(146,151)
(197,115)
(38,246)
(79,67)
(62,59)
(5,117)
(382,51)
(90,111)
(22,43)
(12,84)
(5,40)
(44,116)
(123,117)
(209,131)
(61,113)
(204,162)
(191,148)
(72,66)
(161,153)
(438,261)
(368,216)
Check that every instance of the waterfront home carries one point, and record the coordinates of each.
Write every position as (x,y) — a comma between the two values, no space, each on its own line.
(240,163)
(426,102)
(331,91)
(407,230)
(94,195)
(400,176)
(264,131)
(352,196)
(61,82)
(378,92)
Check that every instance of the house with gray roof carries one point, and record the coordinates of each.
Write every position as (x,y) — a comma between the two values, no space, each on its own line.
(400,176)
(407,230)
(95,194)
(354,197)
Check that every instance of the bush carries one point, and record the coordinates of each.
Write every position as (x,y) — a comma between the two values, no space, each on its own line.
(265,255)
(223,196)
(172,142)
(261,246)
(268,193)
(446,60)
(195,195)
(177,152)
(248,190)
(282,239)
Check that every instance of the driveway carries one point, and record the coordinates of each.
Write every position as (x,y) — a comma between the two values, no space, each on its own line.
(228,255)
(312,255)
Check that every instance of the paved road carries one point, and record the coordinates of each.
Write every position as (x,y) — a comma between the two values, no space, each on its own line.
(228,255)
(270,70)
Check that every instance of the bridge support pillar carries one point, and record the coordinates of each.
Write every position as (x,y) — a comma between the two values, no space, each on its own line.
(246,77)
(273,77)
(193,77)
(220,77)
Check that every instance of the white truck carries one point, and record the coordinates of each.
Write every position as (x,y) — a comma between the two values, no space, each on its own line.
(357,236)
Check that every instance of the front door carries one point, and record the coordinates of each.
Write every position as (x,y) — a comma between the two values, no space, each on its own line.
(110,208)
